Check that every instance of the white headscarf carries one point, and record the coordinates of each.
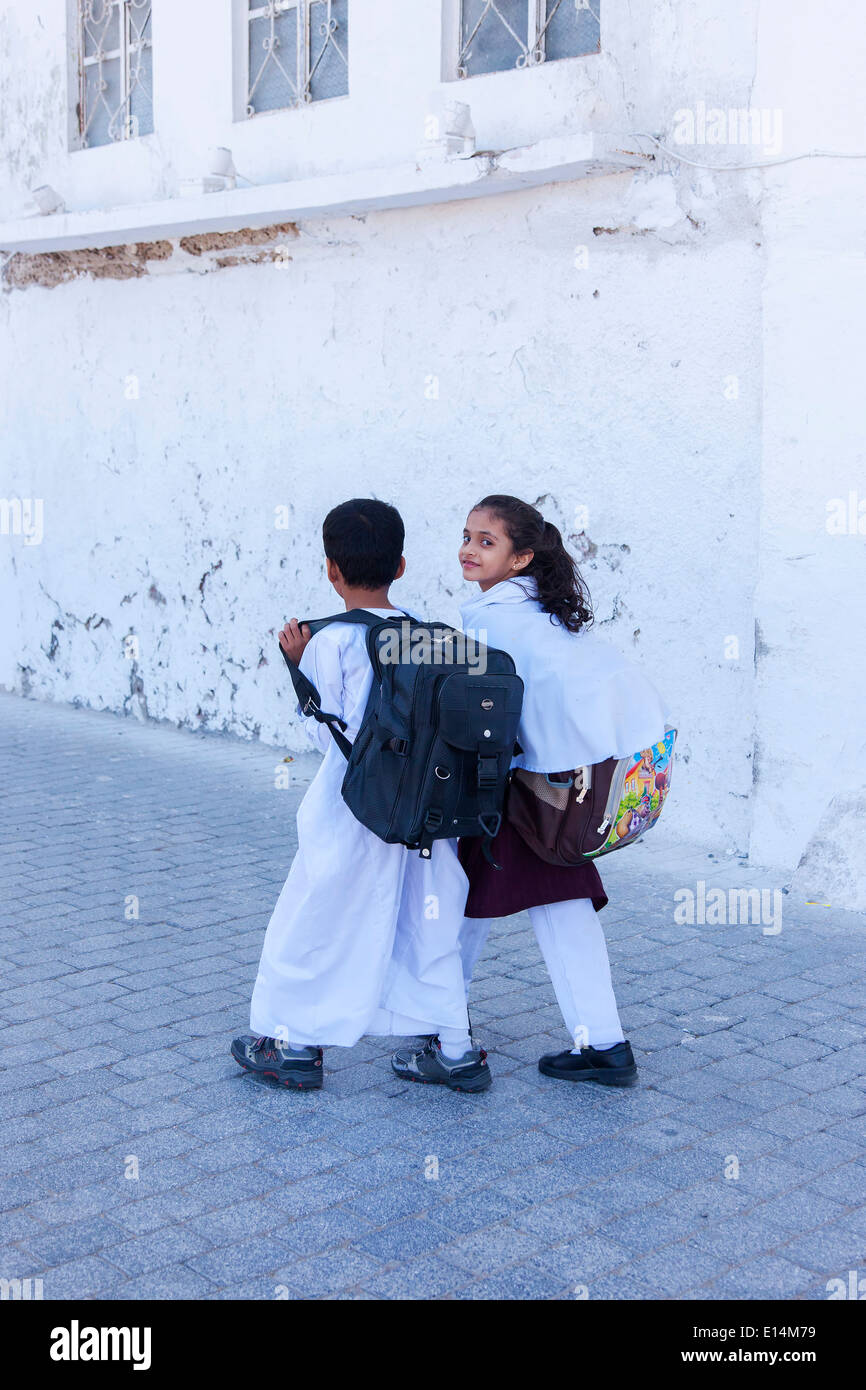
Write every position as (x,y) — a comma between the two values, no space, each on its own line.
(583,700)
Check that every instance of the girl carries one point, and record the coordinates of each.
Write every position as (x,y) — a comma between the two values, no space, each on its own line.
(583,702)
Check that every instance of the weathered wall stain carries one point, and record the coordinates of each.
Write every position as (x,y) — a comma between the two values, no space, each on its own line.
(48,269)
(227,241)
(51,268)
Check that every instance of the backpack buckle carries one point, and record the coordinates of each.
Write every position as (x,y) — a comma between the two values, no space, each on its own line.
(432,822)
(490,823)
(488,772)
(399,745)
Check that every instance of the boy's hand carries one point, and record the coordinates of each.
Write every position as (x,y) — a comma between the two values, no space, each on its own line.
(293,638)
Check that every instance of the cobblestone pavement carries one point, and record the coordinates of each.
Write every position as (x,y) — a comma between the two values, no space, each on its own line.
(138,1161)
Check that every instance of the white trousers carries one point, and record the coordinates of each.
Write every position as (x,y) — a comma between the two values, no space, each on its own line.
(572,943)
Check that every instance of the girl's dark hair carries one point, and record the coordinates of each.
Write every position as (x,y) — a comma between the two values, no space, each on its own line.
(364,537)
(561,591)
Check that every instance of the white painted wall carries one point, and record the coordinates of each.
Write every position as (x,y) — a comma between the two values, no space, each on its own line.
(809,703)
(606,387)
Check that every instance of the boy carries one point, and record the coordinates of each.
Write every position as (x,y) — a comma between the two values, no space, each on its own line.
(364,935)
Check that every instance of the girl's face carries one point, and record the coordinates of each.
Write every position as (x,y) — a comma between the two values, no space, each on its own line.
(487,555)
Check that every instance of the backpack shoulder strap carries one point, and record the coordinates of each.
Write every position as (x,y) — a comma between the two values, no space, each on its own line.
(360,616)
(308,696)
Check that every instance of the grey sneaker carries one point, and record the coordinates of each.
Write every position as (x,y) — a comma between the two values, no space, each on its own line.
(268,1057)
(468,1073)
(404,1054)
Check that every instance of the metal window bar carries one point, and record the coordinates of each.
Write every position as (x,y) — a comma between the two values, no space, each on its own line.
(128,23)
(298,72)
(540,16)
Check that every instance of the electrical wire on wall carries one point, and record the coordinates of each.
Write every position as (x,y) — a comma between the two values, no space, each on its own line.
(756,164)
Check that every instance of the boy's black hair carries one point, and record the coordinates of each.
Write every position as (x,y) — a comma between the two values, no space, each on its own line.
(364,538)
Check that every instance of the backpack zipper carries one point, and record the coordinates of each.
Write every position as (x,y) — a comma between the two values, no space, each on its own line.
(412,724)
(437,687)
(614,796)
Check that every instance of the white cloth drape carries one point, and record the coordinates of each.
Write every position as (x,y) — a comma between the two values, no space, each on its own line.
(583,700)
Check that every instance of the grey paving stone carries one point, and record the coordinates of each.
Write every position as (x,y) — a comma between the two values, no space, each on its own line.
(677,1268)
(169,1245)
(832,1250)
(18,1226)
(847,1184)
(801,1210)
(392,1202)
(736,1239)
(495,1246)
(228,1263)
(155,1086)
(471,1211)
(314,1194)
(794,1121)
(822,1151)
(167,1284)
(226,1226)
(744,1142)
(389,1165)
(659,1136)
(527,1282)
(583,1259)
(152,1213)
(330,1272)
(767,1175)
(60,1244)
(564,1218)
(414,1235)
(312,1234)
(622,1286)
(82,1278)
(766,1277)
(421,1278)
(537,1184)
(316,1157)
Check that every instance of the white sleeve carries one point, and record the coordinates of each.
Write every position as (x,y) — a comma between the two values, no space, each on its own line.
(321,663)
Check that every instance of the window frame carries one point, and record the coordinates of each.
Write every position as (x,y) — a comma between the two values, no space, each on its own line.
(79,62)
(242,16)
(535,41)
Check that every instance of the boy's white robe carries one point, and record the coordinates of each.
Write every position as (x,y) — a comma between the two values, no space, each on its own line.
(364,935)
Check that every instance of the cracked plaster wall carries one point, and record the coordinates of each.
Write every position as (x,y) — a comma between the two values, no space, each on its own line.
(297,383)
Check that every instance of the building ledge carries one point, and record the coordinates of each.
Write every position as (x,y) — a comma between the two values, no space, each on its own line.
(427,180)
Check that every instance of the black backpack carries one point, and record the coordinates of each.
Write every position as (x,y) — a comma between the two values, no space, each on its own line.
(432,756)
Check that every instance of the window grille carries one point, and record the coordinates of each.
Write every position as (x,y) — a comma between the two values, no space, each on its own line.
(496,35)
(115,68)
(298,53)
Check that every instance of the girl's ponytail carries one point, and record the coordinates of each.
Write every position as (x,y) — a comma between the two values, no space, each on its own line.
(561,590)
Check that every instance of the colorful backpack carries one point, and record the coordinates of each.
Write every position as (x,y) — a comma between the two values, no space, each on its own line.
(569,817)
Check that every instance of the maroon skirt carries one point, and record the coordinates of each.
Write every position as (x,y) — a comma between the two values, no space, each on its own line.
(524,880)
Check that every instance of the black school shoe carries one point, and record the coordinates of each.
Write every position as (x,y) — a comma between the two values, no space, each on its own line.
(614,1066)
(268,1057)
